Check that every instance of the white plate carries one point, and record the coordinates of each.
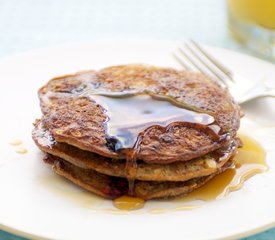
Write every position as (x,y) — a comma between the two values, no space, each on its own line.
(36,203)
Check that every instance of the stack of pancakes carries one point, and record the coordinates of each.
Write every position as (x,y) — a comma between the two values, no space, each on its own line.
(169,161)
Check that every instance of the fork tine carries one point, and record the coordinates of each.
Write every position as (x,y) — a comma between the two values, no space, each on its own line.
(192,61)
(181,62)
(220,66)
(197,56)
(198,67)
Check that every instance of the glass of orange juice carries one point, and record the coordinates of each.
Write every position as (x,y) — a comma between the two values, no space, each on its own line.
(253,23)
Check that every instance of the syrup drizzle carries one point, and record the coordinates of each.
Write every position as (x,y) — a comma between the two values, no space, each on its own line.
(130,115)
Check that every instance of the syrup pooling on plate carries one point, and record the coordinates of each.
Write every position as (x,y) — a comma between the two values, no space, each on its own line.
(248,161)
(15,142)
(128,203)
(130,115)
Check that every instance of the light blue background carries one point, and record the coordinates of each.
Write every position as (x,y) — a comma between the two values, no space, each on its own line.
(29,24)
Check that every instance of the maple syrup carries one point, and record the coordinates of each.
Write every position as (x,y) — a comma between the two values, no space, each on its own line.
(249,161)
(130,115)
(15,142)
(128,203)
(21,150)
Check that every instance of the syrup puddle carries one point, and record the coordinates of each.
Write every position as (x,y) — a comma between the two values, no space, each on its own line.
(17,146)
(15,142)
(128,203)
(249,161)
(21,150)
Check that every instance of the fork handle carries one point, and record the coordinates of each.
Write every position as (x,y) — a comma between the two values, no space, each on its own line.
(248,97)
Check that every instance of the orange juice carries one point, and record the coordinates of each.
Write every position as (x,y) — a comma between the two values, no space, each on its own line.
(261,12)
(252,22)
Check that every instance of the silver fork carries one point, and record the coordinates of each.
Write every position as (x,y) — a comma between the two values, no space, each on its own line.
(193,57)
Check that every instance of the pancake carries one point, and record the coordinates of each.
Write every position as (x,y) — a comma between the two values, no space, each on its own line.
(113,187)
(140,130)
(177,171)
(73,117)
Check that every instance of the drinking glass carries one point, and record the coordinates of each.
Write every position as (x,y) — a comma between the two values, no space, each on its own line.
(252,22)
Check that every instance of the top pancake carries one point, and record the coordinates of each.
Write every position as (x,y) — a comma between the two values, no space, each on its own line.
(73,118)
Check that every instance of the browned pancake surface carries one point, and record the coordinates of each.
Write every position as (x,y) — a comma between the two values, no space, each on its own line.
(177,171)
(79,121)
(113,187)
